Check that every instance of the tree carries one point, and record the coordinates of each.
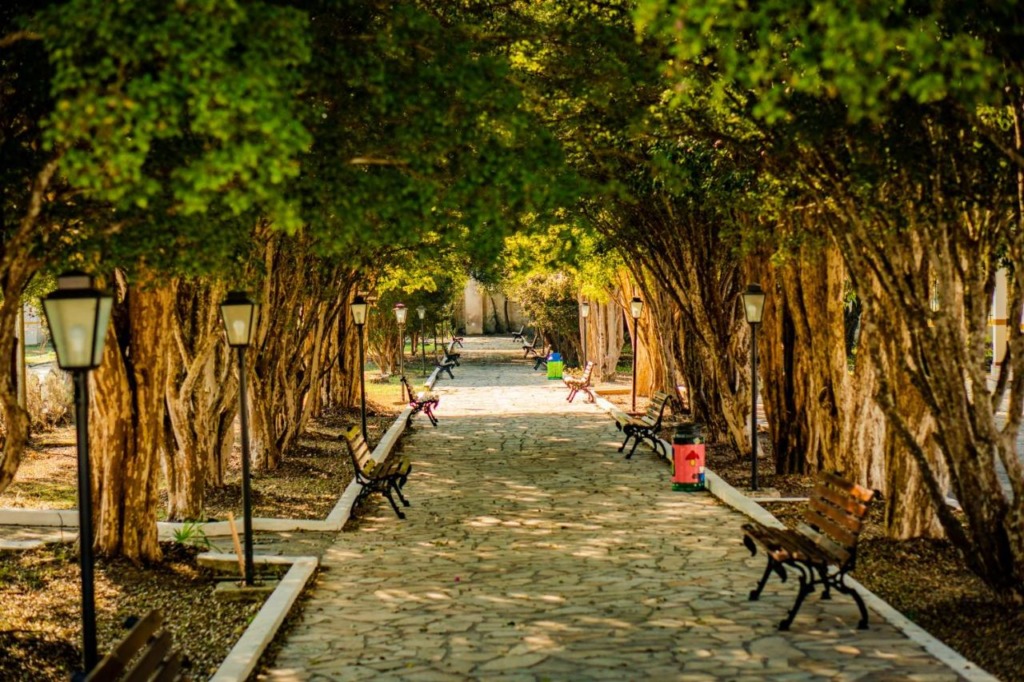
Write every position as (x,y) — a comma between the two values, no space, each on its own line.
(910,160)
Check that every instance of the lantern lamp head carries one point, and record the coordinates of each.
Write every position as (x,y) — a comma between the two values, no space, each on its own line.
(753,303)
(636,306)
(401,312)
(585,309)
(359,307)
(78,315)
(240,315)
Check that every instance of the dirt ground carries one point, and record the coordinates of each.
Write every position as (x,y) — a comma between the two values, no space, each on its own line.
(40,616)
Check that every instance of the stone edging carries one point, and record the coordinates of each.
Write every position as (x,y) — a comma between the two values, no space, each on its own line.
(737,500)
(244,656)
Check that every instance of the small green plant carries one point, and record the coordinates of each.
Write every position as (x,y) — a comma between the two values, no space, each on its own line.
(192,533)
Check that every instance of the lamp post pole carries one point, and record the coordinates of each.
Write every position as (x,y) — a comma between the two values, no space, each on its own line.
(422,313)
(359,307)
(243,407)
(400,313)
(78,315)
(240,313)
(585,312)
(753,306)
(81,381)
(636,307)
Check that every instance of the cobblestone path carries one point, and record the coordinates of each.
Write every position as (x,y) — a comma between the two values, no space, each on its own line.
(534,551)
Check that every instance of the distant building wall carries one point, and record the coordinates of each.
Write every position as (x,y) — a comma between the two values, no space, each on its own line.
(480,311)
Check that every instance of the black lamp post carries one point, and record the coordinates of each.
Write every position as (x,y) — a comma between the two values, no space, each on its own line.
(359,307)
(401,312)
(240,313)
(421,312)
(585,312)
(636,306)
(78,315)
(753,306)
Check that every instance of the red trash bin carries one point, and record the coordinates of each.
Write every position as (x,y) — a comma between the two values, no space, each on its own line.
(688,458)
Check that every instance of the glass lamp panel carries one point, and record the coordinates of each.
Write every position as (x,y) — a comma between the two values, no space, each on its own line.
(636,306)
(422,312)
(401,312)
(585,310)
(753,304)
(72,321)
(239,320)
(359,307)
(102,322)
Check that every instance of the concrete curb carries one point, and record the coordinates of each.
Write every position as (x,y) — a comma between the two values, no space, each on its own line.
(244,656)
(740,502)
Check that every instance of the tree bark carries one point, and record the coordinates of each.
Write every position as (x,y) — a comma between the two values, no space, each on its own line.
(127,432)
(202,400)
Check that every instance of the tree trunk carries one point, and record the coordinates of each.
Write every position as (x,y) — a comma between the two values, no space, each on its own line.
(17,267)
(603,329)
(202,401)
(127,431)
(681,248)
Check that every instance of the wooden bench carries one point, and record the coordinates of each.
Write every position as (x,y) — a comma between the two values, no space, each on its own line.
(581,383)
(823,549)
(530,348)
(518,336)
(450,355)
(647,426)
(444,364)
(422,402)
(377,477)
(146,653)
(542,358)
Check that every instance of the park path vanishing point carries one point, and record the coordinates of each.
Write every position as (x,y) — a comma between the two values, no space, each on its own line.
(534,551)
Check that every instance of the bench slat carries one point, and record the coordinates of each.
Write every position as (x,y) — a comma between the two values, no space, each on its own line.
(814,517)
(838,554)
(172,668)
(849,522)
(850,505)
(863,494)
(114,663)
(151,659)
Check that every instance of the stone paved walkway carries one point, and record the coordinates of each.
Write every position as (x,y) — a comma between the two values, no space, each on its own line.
(534,551)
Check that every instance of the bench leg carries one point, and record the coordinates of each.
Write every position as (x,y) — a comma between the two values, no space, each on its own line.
(590,394)
(430,415)
(806,587)
(629,434)
(846,589)
(398,490)
(446,368)
(773,565)
(387,494)
(572,394)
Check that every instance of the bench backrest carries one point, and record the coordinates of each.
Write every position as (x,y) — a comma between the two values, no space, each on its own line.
(588,370)
(145,653)
(835,515)
(656,409)
(359,450)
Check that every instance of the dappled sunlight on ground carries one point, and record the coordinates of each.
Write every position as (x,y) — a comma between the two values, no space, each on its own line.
(534,550)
